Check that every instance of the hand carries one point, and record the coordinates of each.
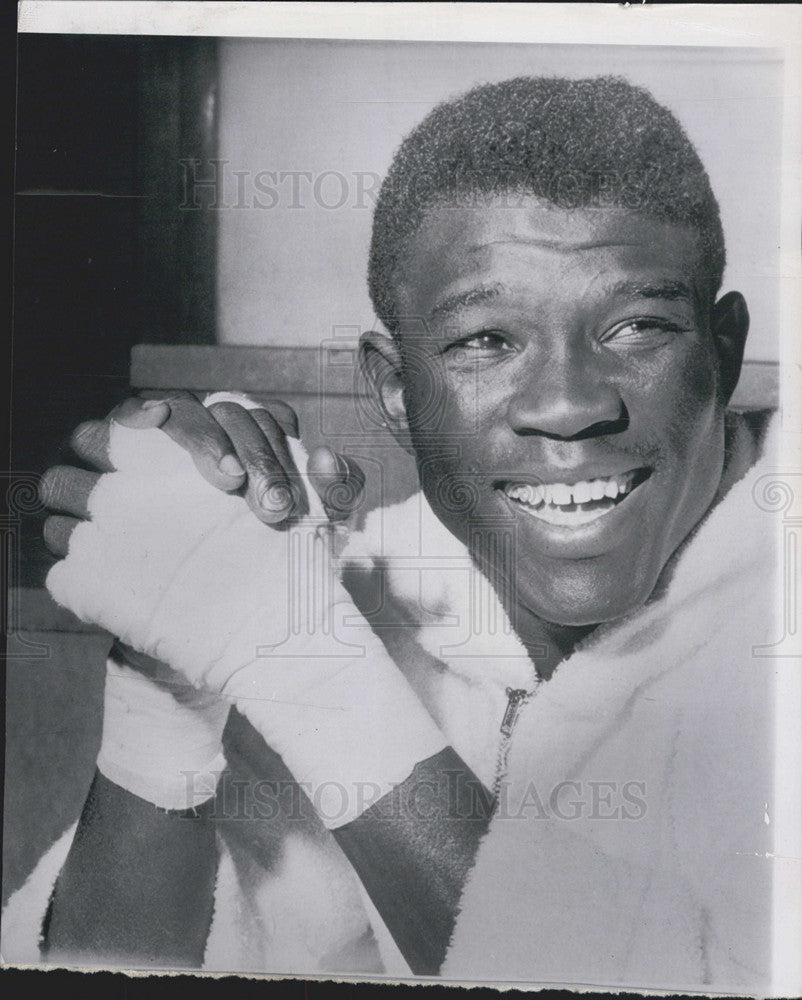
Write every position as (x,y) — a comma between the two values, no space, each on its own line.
(185,574)
(236,450)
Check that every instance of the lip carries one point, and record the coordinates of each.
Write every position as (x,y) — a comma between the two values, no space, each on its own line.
(586,540)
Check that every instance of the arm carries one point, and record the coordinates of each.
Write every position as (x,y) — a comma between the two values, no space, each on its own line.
(413,850)
(289,695)
(138,883)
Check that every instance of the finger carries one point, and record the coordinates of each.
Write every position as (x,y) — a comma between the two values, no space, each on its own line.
(66,489)
(339,481)
(277,440)
(192,426)
(284,415)
(269,491)
(90,440)
(57,531)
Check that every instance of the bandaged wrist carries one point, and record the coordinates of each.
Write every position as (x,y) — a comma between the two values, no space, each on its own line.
(163,746)
(186,574)
(349,728)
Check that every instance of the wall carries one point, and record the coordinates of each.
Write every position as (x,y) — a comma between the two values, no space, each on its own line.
(293,271)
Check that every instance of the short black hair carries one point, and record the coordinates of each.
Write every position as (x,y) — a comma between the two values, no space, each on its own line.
(572,142)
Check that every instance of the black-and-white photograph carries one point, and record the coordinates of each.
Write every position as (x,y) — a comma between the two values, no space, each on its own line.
(404,545)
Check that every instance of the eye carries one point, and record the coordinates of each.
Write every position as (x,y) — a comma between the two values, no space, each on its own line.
(643,331)
(484,342)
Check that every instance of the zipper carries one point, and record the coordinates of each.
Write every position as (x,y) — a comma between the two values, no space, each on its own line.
(516,699)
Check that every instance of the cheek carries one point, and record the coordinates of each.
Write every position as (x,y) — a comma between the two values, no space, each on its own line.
(696,378)
(454,460)
(674,399)
(445,403)
(452,477)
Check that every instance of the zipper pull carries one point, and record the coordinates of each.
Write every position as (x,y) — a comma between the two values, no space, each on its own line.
(516,697)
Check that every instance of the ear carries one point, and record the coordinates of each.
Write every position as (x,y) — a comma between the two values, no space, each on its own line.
(730,325)
(382,366)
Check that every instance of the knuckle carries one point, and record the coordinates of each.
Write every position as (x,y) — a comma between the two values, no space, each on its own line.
(258,456)
(272,429)
(203,441)
(226,408)
(206,440)
(283,414)
(50,485)
(131,403)
(264,474)
(43,488)
(278,408)
(85,433)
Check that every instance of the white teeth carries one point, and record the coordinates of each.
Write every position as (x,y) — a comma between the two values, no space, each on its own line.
(560,494)
(548,500)
(581,492)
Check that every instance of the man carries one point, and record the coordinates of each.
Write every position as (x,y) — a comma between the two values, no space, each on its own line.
(547,256)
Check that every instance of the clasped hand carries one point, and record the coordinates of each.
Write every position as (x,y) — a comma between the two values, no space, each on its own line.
(236,450)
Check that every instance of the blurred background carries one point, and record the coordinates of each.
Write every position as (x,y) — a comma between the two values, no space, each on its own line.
(207,204)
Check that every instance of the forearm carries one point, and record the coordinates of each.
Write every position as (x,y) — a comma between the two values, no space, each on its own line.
(413,850)
(137,886)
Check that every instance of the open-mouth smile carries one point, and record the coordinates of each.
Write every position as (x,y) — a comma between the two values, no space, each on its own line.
(572,505)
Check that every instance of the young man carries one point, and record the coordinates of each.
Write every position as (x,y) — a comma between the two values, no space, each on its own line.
(576,795)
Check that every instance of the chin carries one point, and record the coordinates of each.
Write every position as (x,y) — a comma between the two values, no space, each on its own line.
(570,608)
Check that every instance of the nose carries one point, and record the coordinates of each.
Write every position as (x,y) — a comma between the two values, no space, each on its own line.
(569,399)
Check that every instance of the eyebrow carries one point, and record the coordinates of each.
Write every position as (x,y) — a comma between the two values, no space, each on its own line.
(671,290)
(464,300)
(666,290)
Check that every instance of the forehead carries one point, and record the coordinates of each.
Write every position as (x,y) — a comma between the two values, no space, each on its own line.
(540,250)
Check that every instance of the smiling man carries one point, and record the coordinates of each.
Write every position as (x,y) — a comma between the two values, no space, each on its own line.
(569,796)
(602,368)
(572,331)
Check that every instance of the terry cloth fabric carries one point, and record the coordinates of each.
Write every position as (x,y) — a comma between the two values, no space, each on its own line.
(669,703)
(633,843)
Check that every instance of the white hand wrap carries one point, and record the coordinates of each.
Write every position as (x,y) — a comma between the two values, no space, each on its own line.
(162,742)
(186,574)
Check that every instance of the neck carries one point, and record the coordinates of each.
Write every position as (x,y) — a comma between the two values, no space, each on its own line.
(547,643)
